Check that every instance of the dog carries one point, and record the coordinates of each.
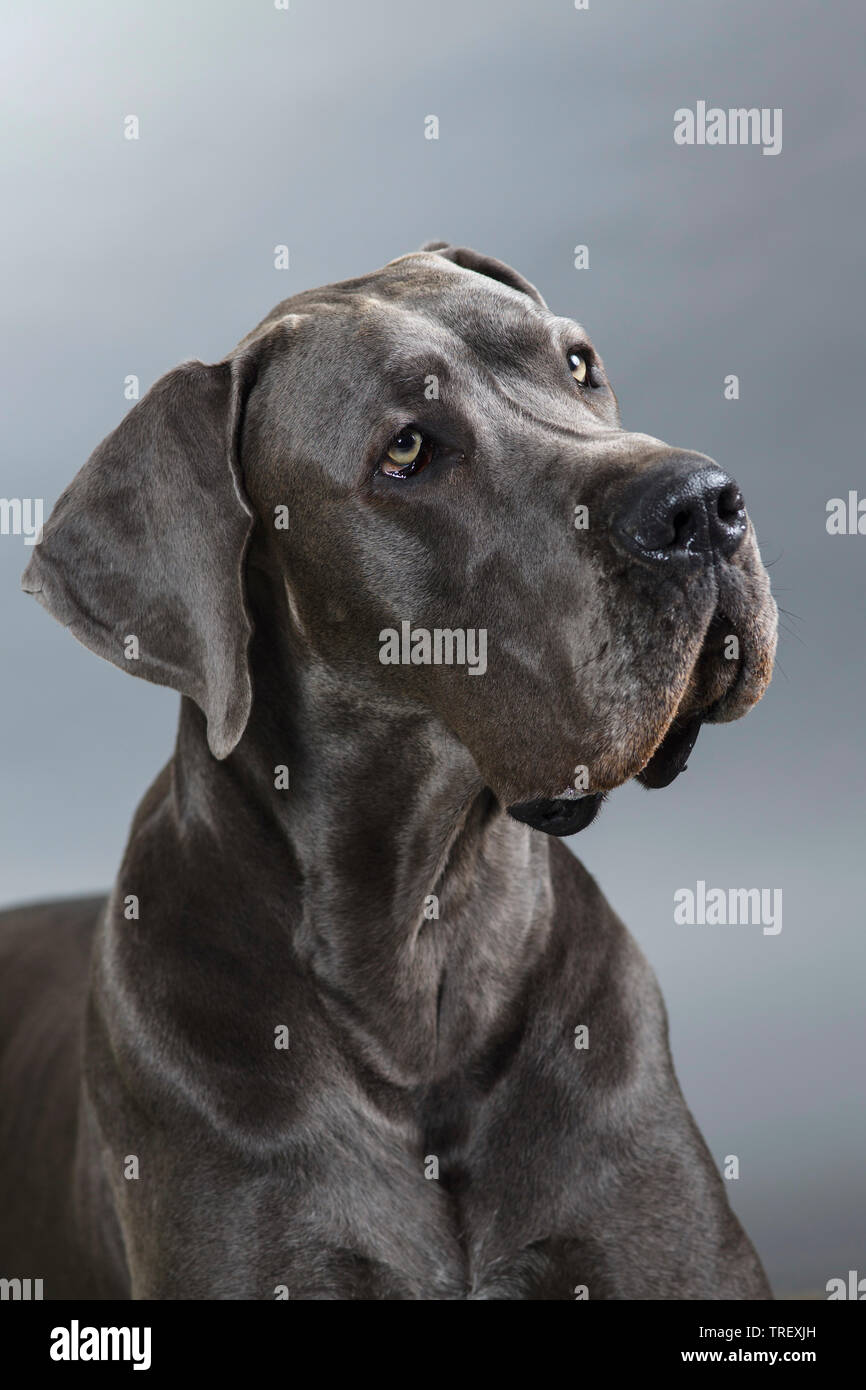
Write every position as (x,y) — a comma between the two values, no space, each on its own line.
(353,1022)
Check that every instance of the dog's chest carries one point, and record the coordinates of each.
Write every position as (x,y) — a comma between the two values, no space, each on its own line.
(453,1211)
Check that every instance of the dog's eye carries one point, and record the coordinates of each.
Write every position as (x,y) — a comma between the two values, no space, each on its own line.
(578,367)
(407,453)
(406,447)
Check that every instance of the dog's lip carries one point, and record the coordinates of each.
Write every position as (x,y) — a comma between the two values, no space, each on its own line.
(563,815)
(717,711)
(671,756)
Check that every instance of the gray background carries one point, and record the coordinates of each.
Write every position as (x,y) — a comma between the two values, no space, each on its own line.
(260,127)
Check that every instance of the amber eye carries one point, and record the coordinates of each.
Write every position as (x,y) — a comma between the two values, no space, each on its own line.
(407,453)
(577,367)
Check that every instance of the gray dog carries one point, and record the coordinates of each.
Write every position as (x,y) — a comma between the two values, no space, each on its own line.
(349,1026)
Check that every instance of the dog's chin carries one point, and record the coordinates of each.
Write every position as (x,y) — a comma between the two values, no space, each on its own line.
(560,815)
(574,811)
(717,690)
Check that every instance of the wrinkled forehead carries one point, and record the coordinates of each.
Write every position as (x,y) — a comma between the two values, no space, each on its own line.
(424,302)
(341,355)
(491,320)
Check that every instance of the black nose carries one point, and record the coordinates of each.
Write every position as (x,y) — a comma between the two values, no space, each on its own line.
(686,510)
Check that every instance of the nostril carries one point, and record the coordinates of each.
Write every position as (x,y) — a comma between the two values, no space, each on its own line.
(683,523)
(730,503)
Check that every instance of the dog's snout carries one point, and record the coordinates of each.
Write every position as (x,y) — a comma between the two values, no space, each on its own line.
(686,510)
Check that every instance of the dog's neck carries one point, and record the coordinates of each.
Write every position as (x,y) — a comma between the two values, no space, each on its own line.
(415,903)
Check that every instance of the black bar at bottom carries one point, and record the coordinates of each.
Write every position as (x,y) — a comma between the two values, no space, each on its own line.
(81,1339)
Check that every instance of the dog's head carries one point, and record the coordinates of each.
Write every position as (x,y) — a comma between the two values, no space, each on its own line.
(433,466)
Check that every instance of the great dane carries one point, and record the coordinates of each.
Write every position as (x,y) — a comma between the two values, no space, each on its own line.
(353,1023)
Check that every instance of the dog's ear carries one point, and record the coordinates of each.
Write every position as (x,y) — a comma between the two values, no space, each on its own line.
(485,265)
(142,558)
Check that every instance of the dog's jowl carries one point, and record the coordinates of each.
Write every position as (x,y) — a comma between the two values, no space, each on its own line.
(263,1067)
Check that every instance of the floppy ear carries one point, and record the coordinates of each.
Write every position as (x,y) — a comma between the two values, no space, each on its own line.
(485,265)
(148,543)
